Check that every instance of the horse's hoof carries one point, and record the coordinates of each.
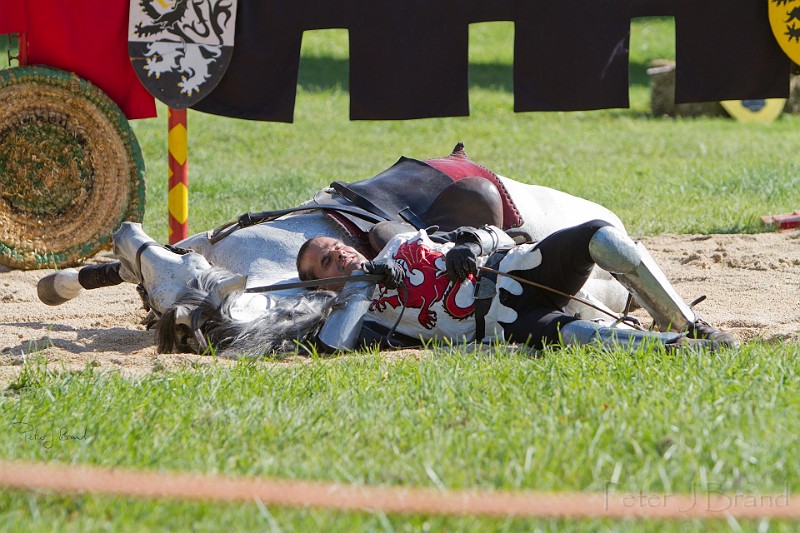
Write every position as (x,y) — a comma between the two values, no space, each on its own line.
(59,287)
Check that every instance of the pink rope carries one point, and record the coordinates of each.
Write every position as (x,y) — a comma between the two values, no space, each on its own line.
(396,500)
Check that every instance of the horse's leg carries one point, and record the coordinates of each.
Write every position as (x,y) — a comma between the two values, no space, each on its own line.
(162,273)
(266,251)
(64,285)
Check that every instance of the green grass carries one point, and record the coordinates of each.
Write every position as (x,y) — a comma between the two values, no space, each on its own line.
(568,420)
(680,176)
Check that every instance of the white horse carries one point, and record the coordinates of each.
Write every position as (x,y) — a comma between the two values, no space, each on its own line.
(265,254)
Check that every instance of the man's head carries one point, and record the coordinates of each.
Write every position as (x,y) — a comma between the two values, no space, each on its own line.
(325,257)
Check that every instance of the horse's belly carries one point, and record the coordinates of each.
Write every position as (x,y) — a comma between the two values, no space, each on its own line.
(545,210)
(250,252)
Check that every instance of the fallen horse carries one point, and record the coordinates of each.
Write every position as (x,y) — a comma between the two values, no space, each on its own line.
(200,292)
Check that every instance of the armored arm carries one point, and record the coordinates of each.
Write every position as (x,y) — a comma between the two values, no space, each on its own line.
(342,327)
(471,243)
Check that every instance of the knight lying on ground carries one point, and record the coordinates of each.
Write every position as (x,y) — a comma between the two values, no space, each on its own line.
(210,292)
(478,284)
(470,284)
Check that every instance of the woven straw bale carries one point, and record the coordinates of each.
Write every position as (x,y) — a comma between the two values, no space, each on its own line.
(71,170)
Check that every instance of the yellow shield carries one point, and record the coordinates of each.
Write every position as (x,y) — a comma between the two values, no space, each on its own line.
(784,17)
(755,110)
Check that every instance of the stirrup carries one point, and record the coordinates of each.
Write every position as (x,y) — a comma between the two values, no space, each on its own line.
(700,329)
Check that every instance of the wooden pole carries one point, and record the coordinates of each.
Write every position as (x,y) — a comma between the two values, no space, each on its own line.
(22,49)
(22,58)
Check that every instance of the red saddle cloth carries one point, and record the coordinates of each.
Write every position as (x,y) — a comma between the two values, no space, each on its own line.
(458,165)
(455,166)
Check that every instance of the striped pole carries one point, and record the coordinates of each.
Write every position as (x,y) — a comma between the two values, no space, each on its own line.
(178,176)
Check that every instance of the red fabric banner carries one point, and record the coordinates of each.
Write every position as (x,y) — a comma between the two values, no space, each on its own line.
(87,37)
(12,16)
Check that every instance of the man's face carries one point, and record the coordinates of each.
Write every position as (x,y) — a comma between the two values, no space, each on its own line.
(326,257)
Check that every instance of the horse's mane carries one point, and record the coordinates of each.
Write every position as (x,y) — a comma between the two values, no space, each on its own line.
(288,321)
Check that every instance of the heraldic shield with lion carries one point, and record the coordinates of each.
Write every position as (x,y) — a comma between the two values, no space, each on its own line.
(181,48)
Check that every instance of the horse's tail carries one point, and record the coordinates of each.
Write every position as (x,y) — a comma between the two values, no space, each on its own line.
(201,319)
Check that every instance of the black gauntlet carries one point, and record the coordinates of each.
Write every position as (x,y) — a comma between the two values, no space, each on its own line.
(471,243)
(393,274)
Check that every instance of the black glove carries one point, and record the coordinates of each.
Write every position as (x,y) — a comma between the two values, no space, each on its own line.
(462,260)
(393,274)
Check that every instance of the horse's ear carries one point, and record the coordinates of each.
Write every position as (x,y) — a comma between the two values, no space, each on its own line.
(183,316)
(233,283)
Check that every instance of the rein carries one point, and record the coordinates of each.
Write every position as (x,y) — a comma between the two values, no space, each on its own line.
(250,219)
(315,282)
(377,278)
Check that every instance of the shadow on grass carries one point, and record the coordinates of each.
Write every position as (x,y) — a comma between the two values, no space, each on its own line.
(637,75)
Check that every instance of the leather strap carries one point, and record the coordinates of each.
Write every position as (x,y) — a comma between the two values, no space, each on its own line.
(144,246)
(485,291)
(251,219)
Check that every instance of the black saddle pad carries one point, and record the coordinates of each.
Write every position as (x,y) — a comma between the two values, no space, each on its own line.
(404,192)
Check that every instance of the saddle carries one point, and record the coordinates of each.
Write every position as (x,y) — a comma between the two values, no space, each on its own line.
(447,192)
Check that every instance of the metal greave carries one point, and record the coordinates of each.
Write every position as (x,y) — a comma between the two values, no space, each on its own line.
(583,332)
(634,267)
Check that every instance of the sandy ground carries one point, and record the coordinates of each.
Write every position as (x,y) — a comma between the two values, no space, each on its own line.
(752,283)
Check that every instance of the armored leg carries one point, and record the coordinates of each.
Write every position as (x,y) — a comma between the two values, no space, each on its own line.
(583,332)
(638,272)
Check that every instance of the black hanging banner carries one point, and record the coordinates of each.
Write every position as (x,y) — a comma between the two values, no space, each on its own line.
(409,59)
